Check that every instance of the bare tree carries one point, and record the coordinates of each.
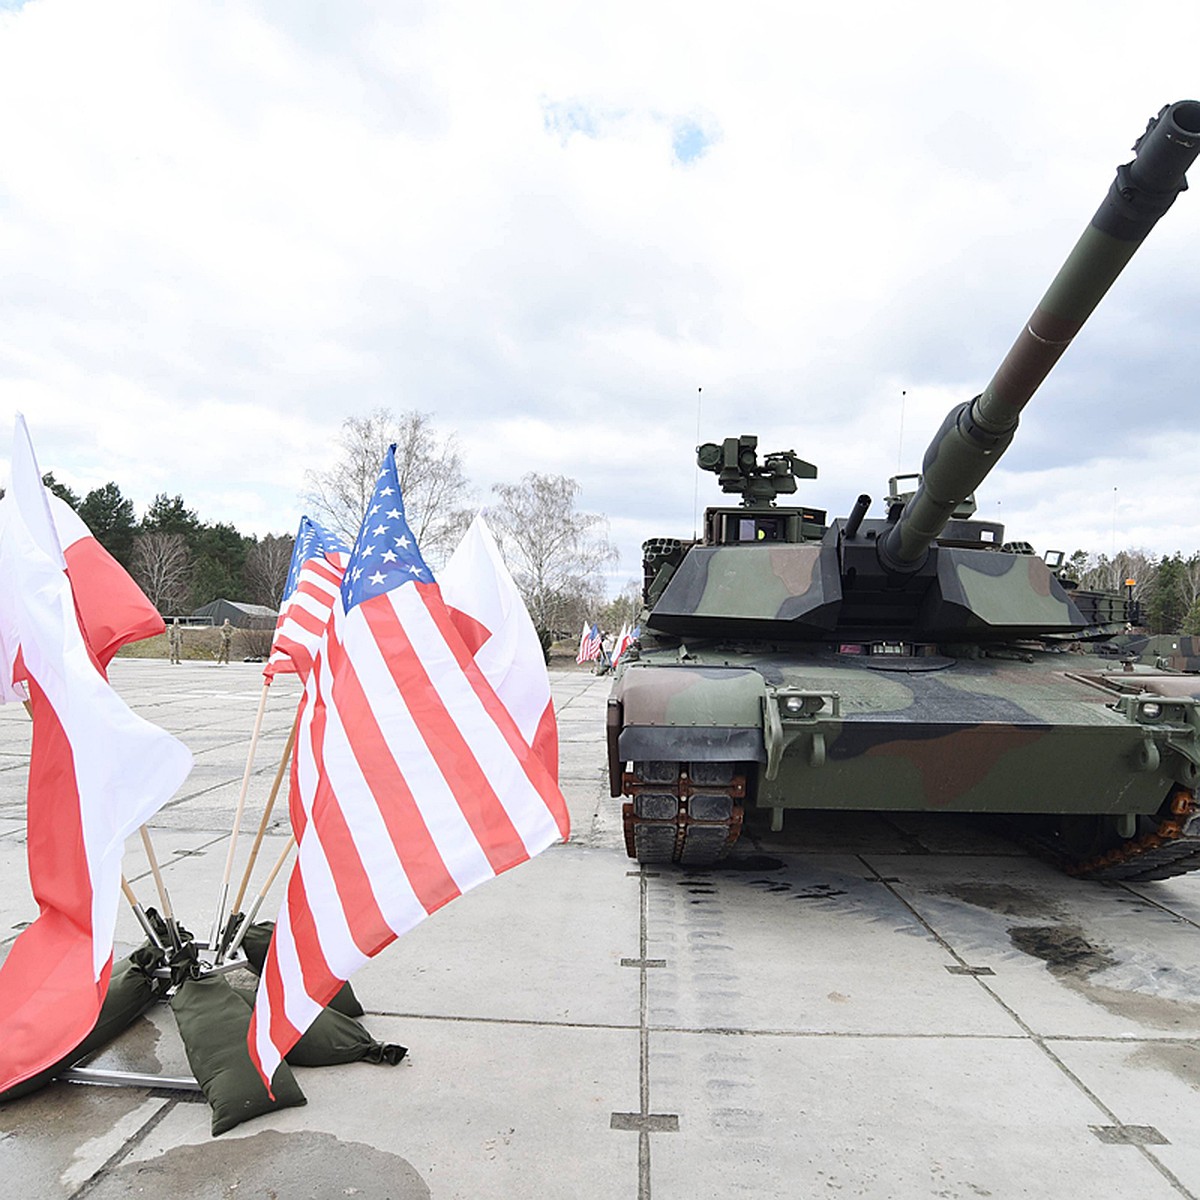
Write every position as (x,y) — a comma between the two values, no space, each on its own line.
(162,567)
(1109,574)
(266,570)
(434,488)
(556,555)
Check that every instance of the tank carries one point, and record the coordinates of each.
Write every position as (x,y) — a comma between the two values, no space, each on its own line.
(915,661)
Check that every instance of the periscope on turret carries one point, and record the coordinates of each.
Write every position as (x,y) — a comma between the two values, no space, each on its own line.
(917,661)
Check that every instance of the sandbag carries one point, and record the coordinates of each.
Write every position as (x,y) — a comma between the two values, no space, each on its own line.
(335,1038)
(256,943)
(131,990)
(213,1023)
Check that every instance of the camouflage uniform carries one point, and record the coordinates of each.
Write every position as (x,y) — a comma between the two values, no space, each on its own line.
(175,640)
(226,640)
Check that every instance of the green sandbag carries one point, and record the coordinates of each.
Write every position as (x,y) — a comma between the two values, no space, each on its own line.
(131,990)
(213,1023)
(335,1038)
(255,944)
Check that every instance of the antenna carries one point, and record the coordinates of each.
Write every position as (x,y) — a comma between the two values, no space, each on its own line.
(900,440)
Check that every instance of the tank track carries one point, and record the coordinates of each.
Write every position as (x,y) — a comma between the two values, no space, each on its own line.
(682,812)
(1173,848)
(1168,849)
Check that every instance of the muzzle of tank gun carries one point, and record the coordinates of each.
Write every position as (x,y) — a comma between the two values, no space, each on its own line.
(974,436)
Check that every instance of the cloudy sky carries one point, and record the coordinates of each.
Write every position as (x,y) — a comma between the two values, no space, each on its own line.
(225,227)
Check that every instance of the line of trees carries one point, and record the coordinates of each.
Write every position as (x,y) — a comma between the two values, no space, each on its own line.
(179,561)
(1167,588)
(556,553)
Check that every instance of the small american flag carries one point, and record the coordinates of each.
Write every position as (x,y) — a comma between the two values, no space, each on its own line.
(411,783)
(589,644)
(315,575)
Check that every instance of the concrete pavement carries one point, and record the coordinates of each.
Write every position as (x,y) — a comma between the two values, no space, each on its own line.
(860,1006)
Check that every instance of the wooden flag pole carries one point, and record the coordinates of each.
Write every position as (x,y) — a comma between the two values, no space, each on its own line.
(164,899)
(262,825)
(140,913)
(219,915)
(262,895)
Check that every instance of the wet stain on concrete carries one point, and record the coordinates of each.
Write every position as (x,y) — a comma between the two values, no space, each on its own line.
(1182,1060)
(268,1166)
(1003,898)
(1074,960)
(134,1049)
(1063,948)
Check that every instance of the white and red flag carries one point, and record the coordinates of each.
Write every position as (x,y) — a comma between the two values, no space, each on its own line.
(314,577)
(624,638)
(112,608)
(492,618)
(97,771)
(411,783)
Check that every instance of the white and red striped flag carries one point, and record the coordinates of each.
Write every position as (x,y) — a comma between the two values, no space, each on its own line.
(97,771)
(314,577)
(488,611)
(411,784)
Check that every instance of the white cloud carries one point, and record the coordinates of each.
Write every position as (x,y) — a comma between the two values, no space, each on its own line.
(225,228)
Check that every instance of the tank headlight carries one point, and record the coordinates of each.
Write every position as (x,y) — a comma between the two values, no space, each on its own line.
(1150,712)
(802,706)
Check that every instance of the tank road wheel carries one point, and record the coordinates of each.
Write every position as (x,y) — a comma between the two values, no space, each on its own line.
(682,812)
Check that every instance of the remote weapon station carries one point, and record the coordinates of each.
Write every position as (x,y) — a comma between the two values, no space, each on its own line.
(916,662)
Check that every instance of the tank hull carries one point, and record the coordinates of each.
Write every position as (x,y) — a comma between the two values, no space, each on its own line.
(1037,736)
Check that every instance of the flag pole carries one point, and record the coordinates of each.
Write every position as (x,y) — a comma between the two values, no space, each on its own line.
(219,915)
(164,899)
(140,913)
(235,945)
(262,825)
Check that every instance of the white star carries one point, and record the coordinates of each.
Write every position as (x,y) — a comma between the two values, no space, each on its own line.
(368,550)
(357,573)
(393,514)
(402,542)
(415,570)
(377,578)
(389,556)
(374,509)
(385,491)
(379,529)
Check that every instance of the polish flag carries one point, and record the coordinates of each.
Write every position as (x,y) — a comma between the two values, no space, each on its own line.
(112,608)
(97,771)
(492,618)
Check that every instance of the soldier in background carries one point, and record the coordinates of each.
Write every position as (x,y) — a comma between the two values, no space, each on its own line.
(226,641)
(175,640)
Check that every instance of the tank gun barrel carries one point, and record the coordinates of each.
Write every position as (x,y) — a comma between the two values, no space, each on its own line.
(975,434)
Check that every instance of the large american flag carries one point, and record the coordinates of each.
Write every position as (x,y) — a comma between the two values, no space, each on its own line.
(411,782)
(314,577)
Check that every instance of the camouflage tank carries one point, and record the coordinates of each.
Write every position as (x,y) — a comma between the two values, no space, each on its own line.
(918,661)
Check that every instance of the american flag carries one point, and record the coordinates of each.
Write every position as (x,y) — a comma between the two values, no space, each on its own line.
(589,644)
(315,575)
(411,783)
